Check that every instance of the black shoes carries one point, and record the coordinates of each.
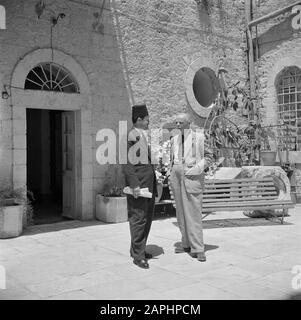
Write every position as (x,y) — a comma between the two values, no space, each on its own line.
(141,263)
(148,255)
(182,250)
(200,256)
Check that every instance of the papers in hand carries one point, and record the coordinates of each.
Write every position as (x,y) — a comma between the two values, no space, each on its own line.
(144,192)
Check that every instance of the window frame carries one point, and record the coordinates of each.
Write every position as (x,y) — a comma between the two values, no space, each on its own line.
(288,89)
(50,76)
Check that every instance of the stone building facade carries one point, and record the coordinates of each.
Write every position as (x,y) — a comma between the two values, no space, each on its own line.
(121,52)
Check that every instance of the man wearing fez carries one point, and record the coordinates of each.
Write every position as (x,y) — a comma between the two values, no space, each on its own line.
(190,159)
(139,173)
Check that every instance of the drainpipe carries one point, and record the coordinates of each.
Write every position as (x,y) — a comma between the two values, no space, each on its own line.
(122,51)
(12,138)
(251,69)
(272,14)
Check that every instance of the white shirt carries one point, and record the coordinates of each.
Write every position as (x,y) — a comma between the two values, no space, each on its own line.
(193,156)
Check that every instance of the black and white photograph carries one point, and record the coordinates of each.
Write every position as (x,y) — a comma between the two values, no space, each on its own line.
(150,152)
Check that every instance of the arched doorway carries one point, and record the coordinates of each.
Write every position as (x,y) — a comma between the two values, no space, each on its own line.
(51,119)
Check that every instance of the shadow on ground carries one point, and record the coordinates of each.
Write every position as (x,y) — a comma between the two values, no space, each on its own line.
(294,296)
(240,222)
(207,224)
(58,226)
(154,250)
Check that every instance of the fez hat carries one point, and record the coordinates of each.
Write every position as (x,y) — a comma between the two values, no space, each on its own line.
(139,111)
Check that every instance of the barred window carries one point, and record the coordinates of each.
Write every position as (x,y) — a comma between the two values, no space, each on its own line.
(289,108)
(51,77)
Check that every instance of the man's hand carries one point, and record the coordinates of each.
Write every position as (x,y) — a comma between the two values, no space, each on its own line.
(160,179)
(193,171)
(136,192)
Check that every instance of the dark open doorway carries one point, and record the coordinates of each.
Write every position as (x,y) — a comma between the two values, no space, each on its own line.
(44,164)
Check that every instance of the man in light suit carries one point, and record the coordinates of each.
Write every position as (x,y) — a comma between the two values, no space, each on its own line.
(139,173)
(187,182)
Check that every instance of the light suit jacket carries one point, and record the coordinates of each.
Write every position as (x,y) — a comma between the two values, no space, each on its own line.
(195,158)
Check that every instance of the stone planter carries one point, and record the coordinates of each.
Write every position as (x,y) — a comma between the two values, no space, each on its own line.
(111,209)
(11,220)
(268,158)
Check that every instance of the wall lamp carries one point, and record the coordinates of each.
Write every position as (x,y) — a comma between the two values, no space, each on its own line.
(54,20)
(5,94)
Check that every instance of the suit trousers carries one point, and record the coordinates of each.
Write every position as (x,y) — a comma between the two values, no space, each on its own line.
(188,211)
(140,216)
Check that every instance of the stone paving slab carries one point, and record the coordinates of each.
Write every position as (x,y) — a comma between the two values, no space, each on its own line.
(83,260)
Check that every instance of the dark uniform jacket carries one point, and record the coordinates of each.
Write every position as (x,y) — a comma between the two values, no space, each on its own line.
(139,173)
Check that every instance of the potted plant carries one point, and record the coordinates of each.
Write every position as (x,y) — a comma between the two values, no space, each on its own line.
(233,142)
(15,212)
(267,140)
(111,204)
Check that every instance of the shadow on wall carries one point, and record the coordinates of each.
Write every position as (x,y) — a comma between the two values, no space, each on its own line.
(274,36)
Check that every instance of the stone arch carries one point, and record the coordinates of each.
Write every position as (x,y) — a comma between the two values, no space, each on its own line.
(270,100)
(197,102)
(282,72)
(30,60)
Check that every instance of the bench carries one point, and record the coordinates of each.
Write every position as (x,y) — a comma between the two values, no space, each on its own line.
(241,195)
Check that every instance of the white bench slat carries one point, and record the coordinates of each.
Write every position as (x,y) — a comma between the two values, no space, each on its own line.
(240,185)
(263,207)
(214,181)
(233,190)
(249,203)
(237,194)
(236,199)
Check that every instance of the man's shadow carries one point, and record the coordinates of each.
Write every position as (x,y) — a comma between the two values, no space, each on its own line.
(294,296)
(154,250)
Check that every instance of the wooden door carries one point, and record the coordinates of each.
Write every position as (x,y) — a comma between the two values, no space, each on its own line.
(69,165)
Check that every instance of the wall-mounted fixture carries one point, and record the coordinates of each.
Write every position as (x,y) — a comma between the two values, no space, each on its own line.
(98,24)
(5,94)
(39,8)
(54,20)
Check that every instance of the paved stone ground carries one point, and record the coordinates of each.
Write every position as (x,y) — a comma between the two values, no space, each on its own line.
(90,260)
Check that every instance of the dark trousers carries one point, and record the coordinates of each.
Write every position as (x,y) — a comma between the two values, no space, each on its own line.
(140,214)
